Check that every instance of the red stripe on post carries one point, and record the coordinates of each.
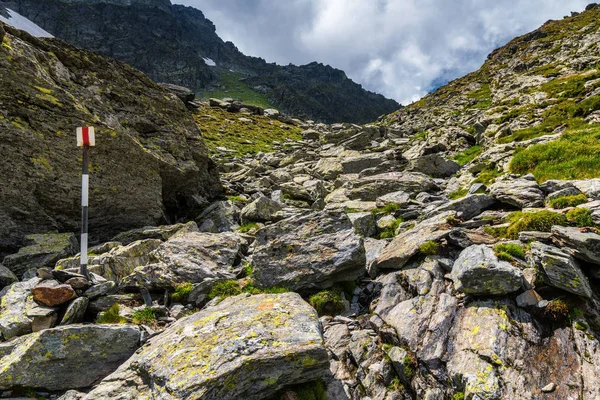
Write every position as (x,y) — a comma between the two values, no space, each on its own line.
(85,135)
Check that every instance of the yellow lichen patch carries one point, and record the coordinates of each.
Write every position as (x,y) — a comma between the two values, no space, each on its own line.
(41,162)
(6,43)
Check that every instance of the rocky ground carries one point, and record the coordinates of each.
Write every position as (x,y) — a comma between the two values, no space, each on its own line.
(429,255)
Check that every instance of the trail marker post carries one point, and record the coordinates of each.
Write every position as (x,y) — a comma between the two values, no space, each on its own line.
(85,139)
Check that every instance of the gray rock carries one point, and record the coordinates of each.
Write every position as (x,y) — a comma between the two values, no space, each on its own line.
(560,269)
(363,223)
(580,244)
(246,347)
(7,277)
(163,232)
(466,207)
(399,198)
(42,318)
(520,192)
(477,188)
(354,165)
(371,187)
(98,290)
(310,251)
(66,357)
(191,257)
(528,298)
(434,165)
(221,216)
(262,209)
(478,271)
(45,251)
(75,312)
(329,168)
(14,305)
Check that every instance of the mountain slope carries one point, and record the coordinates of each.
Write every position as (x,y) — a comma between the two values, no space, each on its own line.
(177,44)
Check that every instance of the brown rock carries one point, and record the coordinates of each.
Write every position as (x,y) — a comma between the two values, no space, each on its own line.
(50,293)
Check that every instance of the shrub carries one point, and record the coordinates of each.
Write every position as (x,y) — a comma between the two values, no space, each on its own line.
(225,289)
(390,231)
(541,221)
(567,201)
(581,217)
(457,194)
(558,310)
(468,155)
(429,248)
(145,317)
(182,291)
(111,316)
(458,396)
(248,269)
(507,251)
(327,302)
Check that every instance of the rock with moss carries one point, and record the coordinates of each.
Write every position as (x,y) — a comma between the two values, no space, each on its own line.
(51,293)
(581,244)
(477,270)
(7,277)
(371,187)
(66,357)
(465,207)
(561,270)
(192,257)
(244,347)
(519,192)
(162,232)
(15,302)
(314,250)
(363,223)
(44,251)
(75,312)
(434,165)
(220,216)
(262,209)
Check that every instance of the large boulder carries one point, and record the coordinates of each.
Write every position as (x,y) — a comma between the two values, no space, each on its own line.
(15,303)
(560,269)
(434,165)
(6,277)
(371,187)
(192,257)
(51,293)
(581,244)
(221,216)
(478,271)
(262,209)
(466,207)
(67,357)
(520,192)
(309,251)
(149,162)
(44,251)
(246,347)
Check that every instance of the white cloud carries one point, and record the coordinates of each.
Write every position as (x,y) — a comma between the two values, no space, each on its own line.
(400,48)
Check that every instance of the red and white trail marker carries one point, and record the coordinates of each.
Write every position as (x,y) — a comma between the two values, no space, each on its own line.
(86,136)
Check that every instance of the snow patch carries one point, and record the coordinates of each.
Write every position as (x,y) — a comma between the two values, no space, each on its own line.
(209,62)
(20,22)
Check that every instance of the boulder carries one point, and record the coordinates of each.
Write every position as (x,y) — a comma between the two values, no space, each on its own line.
(356,164)
(363,223)
(310,251)
(245,347)
(519,192)
(262,209)
(163,232)
(50,293)
(399,198)
(98,290)
(478,271)
(221,216)
(14,305)
(75,312)
(66,357)
(561,270)
(42,318)
(192,257)
(434,165)
(45,251)
(581,244)
(466,207)
(7,277)
(408,243)
(371,187)
(529,298)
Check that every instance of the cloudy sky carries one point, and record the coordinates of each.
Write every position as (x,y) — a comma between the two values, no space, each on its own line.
(400,48)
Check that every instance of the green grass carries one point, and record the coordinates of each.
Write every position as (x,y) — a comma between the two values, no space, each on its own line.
(487,176)
(468,155)
(429,248)
(508,251)
(111,316)
(182,291)
(327,302)
(247,227)
(541,221)
(390,231)
(573,156)
(144,317)
(237,199)
(458,396)
(458,194)
(395,385)
(387,209)
(481,96)
(581,217)
(567,201)
(237,89)
(223,129)
(225,289)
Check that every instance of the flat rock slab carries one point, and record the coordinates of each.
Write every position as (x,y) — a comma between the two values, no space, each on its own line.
(14,305)
(246,347)
(309,251)
(45,251)
(67,357)
(519,192)
(51,293)
(577,242)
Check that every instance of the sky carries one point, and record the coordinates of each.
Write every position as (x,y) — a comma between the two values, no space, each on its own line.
(402,49)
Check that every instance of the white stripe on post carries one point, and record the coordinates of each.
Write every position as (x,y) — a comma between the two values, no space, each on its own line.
(85,181)
(84,248)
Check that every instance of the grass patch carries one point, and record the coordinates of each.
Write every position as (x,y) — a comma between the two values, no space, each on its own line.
(557,310)
(327,302)
(225,289)
(248,227)
(458,396)
(395,385)
(237,199)
(144,317)
(581,217)
(429,248)
(573,156)
(458,194)
(182,291)
(111,316)
(541,221)
(487,176)
(390,231)
(567,201)
(468,155)
(233,86)
(223,129)
(387,209)
(508,251)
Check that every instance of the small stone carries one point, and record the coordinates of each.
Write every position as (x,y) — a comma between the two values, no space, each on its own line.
(7,277)
(63,276)
(528,299)
(42,318)
(44,273)
(51,293)
(549,388)
(76,311)
(78,283)
(100,289)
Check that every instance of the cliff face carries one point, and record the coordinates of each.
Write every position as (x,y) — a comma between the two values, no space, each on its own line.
(150,163)
(177,44)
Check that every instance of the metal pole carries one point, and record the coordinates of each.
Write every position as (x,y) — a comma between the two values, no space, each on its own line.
(84,213)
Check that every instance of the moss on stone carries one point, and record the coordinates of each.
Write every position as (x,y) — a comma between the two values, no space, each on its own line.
(182,291)
(111,316)
(327,302)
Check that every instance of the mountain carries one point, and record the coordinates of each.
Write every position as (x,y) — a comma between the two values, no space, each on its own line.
(177,44)
(148,167)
